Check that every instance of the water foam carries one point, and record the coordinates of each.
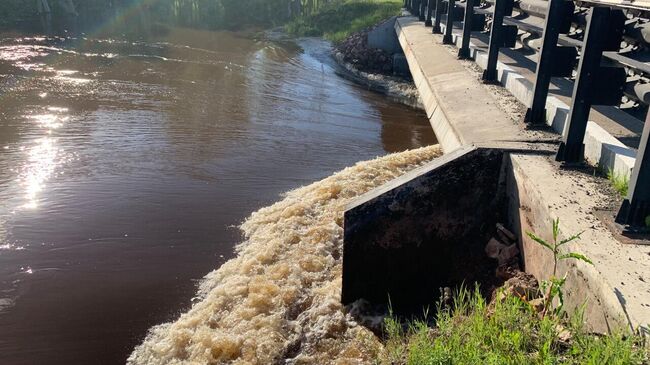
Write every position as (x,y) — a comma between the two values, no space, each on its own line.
(278,301)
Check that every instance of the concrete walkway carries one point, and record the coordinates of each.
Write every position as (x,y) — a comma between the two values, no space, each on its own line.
(460,109)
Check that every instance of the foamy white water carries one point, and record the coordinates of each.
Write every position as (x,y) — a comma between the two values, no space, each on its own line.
(278,300)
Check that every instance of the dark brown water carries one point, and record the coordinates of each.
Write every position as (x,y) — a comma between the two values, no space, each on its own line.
(125,165)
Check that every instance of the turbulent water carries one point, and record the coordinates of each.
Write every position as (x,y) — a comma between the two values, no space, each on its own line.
(125,165)
(279,299)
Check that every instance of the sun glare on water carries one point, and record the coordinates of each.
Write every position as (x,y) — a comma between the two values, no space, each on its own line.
(43,155)
(40,166)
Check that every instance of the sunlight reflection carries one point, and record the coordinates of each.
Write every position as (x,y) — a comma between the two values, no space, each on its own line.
(42,161)
(49,121)
(73,80)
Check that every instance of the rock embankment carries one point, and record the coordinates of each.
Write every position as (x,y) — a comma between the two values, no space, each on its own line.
(355,51)
(373,69)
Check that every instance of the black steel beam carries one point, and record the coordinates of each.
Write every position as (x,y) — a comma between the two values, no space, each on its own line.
(490,74)
(449,24)
(422,10)
(555,15)
(464,51)
(438,17)
(635,211)
(571,149)
(430,5)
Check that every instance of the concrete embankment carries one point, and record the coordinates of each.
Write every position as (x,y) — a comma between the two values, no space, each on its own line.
(278,301)
(470,120)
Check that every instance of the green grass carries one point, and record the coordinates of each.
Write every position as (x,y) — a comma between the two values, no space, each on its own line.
(505,332)
(620,182)
(340,18)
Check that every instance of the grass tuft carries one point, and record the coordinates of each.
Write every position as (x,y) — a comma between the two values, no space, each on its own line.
(340,18)
(507,331)
(620,182)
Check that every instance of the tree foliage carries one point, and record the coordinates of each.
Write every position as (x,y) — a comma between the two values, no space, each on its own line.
(215,14)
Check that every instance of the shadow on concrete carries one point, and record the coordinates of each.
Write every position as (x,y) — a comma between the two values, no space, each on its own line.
(425,231)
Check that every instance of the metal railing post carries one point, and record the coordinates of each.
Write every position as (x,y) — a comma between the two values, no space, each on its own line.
(496,41)
(557,15)
(427,20)
(635,211)
(585,89)
(464,51)
(449,24)
(436,20)
(422,10)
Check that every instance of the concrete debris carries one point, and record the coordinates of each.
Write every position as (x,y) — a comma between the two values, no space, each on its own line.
(493,248)
(504,252)
(505,234)
(508,254)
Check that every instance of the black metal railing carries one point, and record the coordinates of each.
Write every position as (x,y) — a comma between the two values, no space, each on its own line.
(595,84)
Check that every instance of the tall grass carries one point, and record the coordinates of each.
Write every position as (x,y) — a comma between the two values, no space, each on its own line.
(507,331)
(339,18)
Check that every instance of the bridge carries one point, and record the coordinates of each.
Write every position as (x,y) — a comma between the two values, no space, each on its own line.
(524,129)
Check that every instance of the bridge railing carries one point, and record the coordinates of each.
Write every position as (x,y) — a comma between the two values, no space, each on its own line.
(595,83)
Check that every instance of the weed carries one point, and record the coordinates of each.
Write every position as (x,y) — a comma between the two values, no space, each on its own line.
(620,182)
(552,288)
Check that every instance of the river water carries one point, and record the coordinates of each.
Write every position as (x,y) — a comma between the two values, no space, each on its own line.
(125,166)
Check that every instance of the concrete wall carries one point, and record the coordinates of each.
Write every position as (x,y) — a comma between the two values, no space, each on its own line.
(611,289)
(383,36)
(423,231)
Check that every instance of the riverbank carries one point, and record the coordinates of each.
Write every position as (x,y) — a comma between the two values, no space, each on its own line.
(279,299)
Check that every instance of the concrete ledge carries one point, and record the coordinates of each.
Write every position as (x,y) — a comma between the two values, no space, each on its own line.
(607,152)
(601,148)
